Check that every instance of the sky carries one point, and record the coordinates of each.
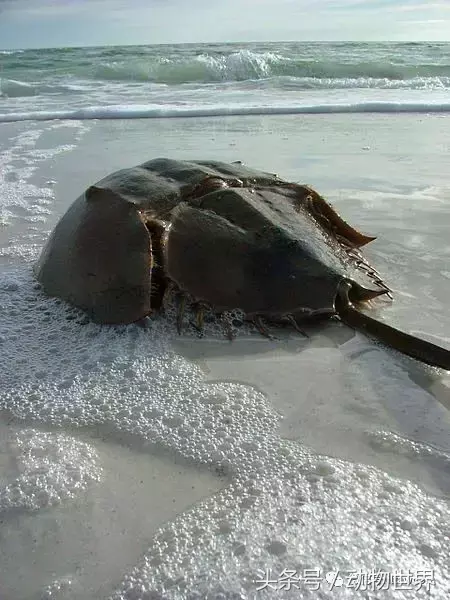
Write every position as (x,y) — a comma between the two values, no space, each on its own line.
(53,23)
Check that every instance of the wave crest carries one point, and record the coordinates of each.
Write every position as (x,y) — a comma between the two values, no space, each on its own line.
(247,65)
(203,68)
(166,112)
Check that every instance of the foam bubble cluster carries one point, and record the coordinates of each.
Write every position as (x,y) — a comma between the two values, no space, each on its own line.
(58,588)
(305,514)
(388,441)
(125,379)
(48,469)
(23,202)
(283,508)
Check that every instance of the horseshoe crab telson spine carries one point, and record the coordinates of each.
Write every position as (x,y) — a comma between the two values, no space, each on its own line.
(421,350)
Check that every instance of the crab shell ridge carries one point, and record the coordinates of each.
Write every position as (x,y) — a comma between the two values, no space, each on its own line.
(226,235)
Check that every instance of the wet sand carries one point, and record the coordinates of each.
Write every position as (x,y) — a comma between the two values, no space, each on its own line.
(336,394)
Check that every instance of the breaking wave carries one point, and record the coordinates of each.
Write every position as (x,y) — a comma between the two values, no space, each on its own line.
(221,63)
(244,65)
(180,80)
(164,112)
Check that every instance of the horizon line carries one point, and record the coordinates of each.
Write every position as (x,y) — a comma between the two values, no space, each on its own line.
(399,42)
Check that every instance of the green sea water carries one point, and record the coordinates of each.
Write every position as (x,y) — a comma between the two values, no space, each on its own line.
(137,81)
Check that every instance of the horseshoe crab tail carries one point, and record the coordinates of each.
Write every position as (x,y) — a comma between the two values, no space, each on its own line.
(421,350)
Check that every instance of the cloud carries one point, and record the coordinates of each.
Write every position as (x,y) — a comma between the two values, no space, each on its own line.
(45,8)
(103,22)
(69,7)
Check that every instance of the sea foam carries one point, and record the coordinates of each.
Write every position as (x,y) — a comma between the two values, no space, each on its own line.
(284,507)
(11,88)
(165,112)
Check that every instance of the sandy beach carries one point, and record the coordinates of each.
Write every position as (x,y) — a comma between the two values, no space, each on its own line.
(140,464)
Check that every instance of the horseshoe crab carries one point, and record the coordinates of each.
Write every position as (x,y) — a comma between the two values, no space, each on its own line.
(217,235)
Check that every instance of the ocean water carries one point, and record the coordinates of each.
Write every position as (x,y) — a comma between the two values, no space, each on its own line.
(141,465)
(218,79)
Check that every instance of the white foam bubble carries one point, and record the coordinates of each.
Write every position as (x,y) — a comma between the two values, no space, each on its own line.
(59,588)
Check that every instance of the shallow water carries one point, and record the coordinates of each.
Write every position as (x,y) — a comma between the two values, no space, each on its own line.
(137,464)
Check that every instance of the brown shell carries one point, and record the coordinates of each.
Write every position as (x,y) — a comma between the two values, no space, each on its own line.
(226,235)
